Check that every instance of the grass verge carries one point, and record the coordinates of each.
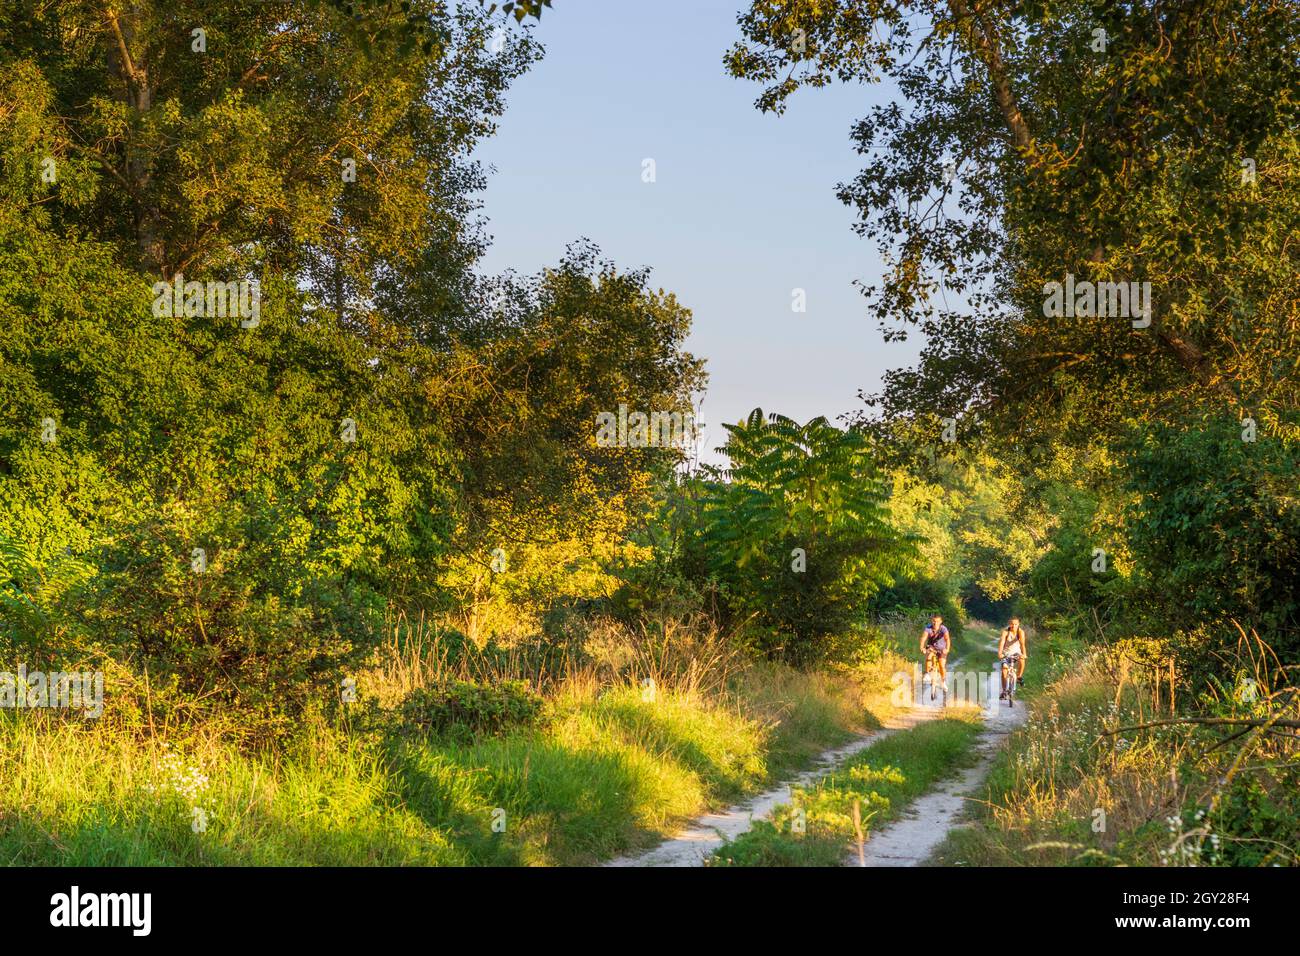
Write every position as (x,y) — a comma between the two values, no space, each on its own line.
(606,772)
(882,780)
(1073,789)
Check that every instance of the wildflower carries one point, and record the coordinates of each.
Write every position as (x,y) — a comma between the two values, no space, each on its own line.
(188,783)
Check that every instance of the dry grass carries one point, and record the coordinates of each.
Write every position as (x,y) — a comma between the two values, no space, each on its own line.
(687,657)
(1105,773)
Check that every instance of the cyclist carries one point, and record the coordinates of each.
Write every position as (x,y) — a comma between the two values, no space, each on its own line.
(1013,644)
(936,642)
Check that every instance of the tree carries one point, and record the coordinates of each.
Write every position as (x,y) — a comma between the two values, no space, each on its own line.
(316,140)
(521,392)
(1036,140)
(797,531)
(250,495)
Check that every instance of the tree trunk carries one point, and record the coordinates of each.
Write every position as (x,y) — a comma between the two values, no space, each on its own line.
(138,94)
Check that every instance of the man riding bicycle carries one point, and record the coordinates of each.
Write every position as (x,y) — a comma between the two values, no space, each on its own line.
(935,644)
(1013,645)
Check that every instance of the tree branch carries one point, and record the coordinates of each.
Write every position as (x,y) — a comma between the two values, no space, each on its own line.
(1208,721)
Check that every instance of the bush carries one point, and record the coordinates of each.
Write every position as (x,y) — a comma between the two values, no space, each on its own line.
(919,598)
(1215,531)
(476,707)
(179,495)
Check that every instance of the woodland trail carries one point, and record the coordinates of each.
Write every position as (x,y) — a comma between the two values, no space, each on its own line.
(908,841)
(707,833)
(929,819)
(694,845)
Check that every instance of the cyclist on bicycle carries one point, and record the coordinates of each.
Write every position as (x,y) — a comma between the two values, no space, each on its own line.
(935,642)
(1015,645)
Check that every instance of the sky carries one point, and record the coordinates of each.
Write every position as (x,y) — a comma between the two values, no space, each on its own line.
(741,213)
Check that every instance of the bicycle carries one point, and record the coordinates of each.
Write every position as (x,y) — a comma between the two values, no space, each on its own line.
(1009,664)
(932,674)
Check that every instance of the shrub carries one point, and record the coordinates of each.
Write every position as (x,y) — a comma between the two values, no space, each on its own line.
(476,707)
(1215,529)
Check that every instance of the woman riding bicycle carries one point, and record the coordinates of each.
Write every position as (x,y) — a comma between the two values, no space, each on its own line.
(935,644)
(1013,650)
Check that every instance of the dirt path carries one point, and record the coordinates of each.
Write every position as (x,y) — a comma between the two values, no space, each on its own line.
(709,832)
(694,845)
(905,842)
(929,819)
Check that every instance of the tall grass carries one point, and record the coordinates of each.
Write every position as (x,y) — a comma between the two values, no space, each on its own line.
(1083,782)
(690,656)
(615,764)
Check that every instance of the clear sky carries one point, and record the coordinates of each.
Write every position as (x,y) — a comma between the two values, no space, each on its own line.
(742,212)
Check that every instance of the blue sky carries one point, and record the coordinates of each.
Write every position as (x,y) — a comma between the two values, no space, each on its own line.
(742,212)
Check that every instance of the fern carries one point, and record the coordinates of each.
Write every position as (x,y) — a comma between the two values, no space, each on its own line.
(31,588)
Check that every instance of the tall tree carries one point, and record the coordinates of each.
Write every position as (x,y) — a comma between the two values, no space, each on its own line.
(315,139)
(1039,139)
